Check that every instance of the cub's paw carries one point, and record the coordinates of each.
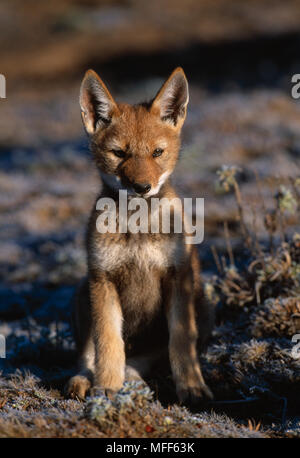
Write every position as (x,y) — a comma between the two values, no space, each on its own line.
(97,391)
(77,387)
(194,394)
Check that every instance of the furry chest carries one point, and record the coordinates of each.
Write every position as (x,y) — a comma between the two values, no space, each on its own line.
(144,253)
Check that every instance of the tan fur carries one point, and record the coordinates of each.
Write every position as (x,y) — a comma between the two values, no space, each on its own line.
(143,291)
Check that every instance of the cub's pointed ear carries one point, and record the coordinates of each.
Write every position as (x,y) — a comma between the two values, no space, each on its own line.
(172,99)
(96,103)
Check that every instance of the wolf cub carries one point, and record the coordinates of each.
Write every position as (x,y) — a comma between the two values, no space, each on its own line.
(142,298)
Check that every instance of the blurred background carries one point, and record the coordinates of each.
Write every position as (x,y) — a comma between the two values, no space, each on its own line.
(239,57)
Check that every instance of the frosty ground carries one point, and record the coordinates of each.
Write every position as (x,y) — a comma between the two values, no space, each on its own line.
(240,115)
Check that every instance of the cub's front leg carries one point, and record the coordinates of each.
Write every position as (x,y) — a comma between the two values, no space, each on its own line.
(183,335)
(107,334)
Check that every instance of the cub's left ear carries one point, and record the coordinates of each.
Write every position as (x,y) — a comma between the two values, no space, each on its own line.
(172,99)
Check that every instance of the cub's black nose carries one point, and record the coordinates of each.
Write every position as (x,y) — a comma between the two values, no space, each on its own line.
(141,188)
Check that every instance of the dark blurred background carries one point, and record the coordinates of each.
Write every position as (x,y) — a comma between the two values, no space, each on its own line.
(239,57)
(223,45)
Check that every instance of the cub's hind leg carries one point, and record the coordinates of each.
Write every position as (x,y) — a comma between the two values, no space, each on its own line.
(79,385)
(139,367)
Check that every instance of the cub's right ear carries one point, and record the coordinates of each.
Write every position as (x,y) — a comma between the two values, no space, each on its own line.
(96,103)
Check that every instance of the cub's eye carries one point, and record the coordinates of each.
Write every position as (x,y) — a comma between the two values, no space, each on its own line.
(157,152)
(119,153)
